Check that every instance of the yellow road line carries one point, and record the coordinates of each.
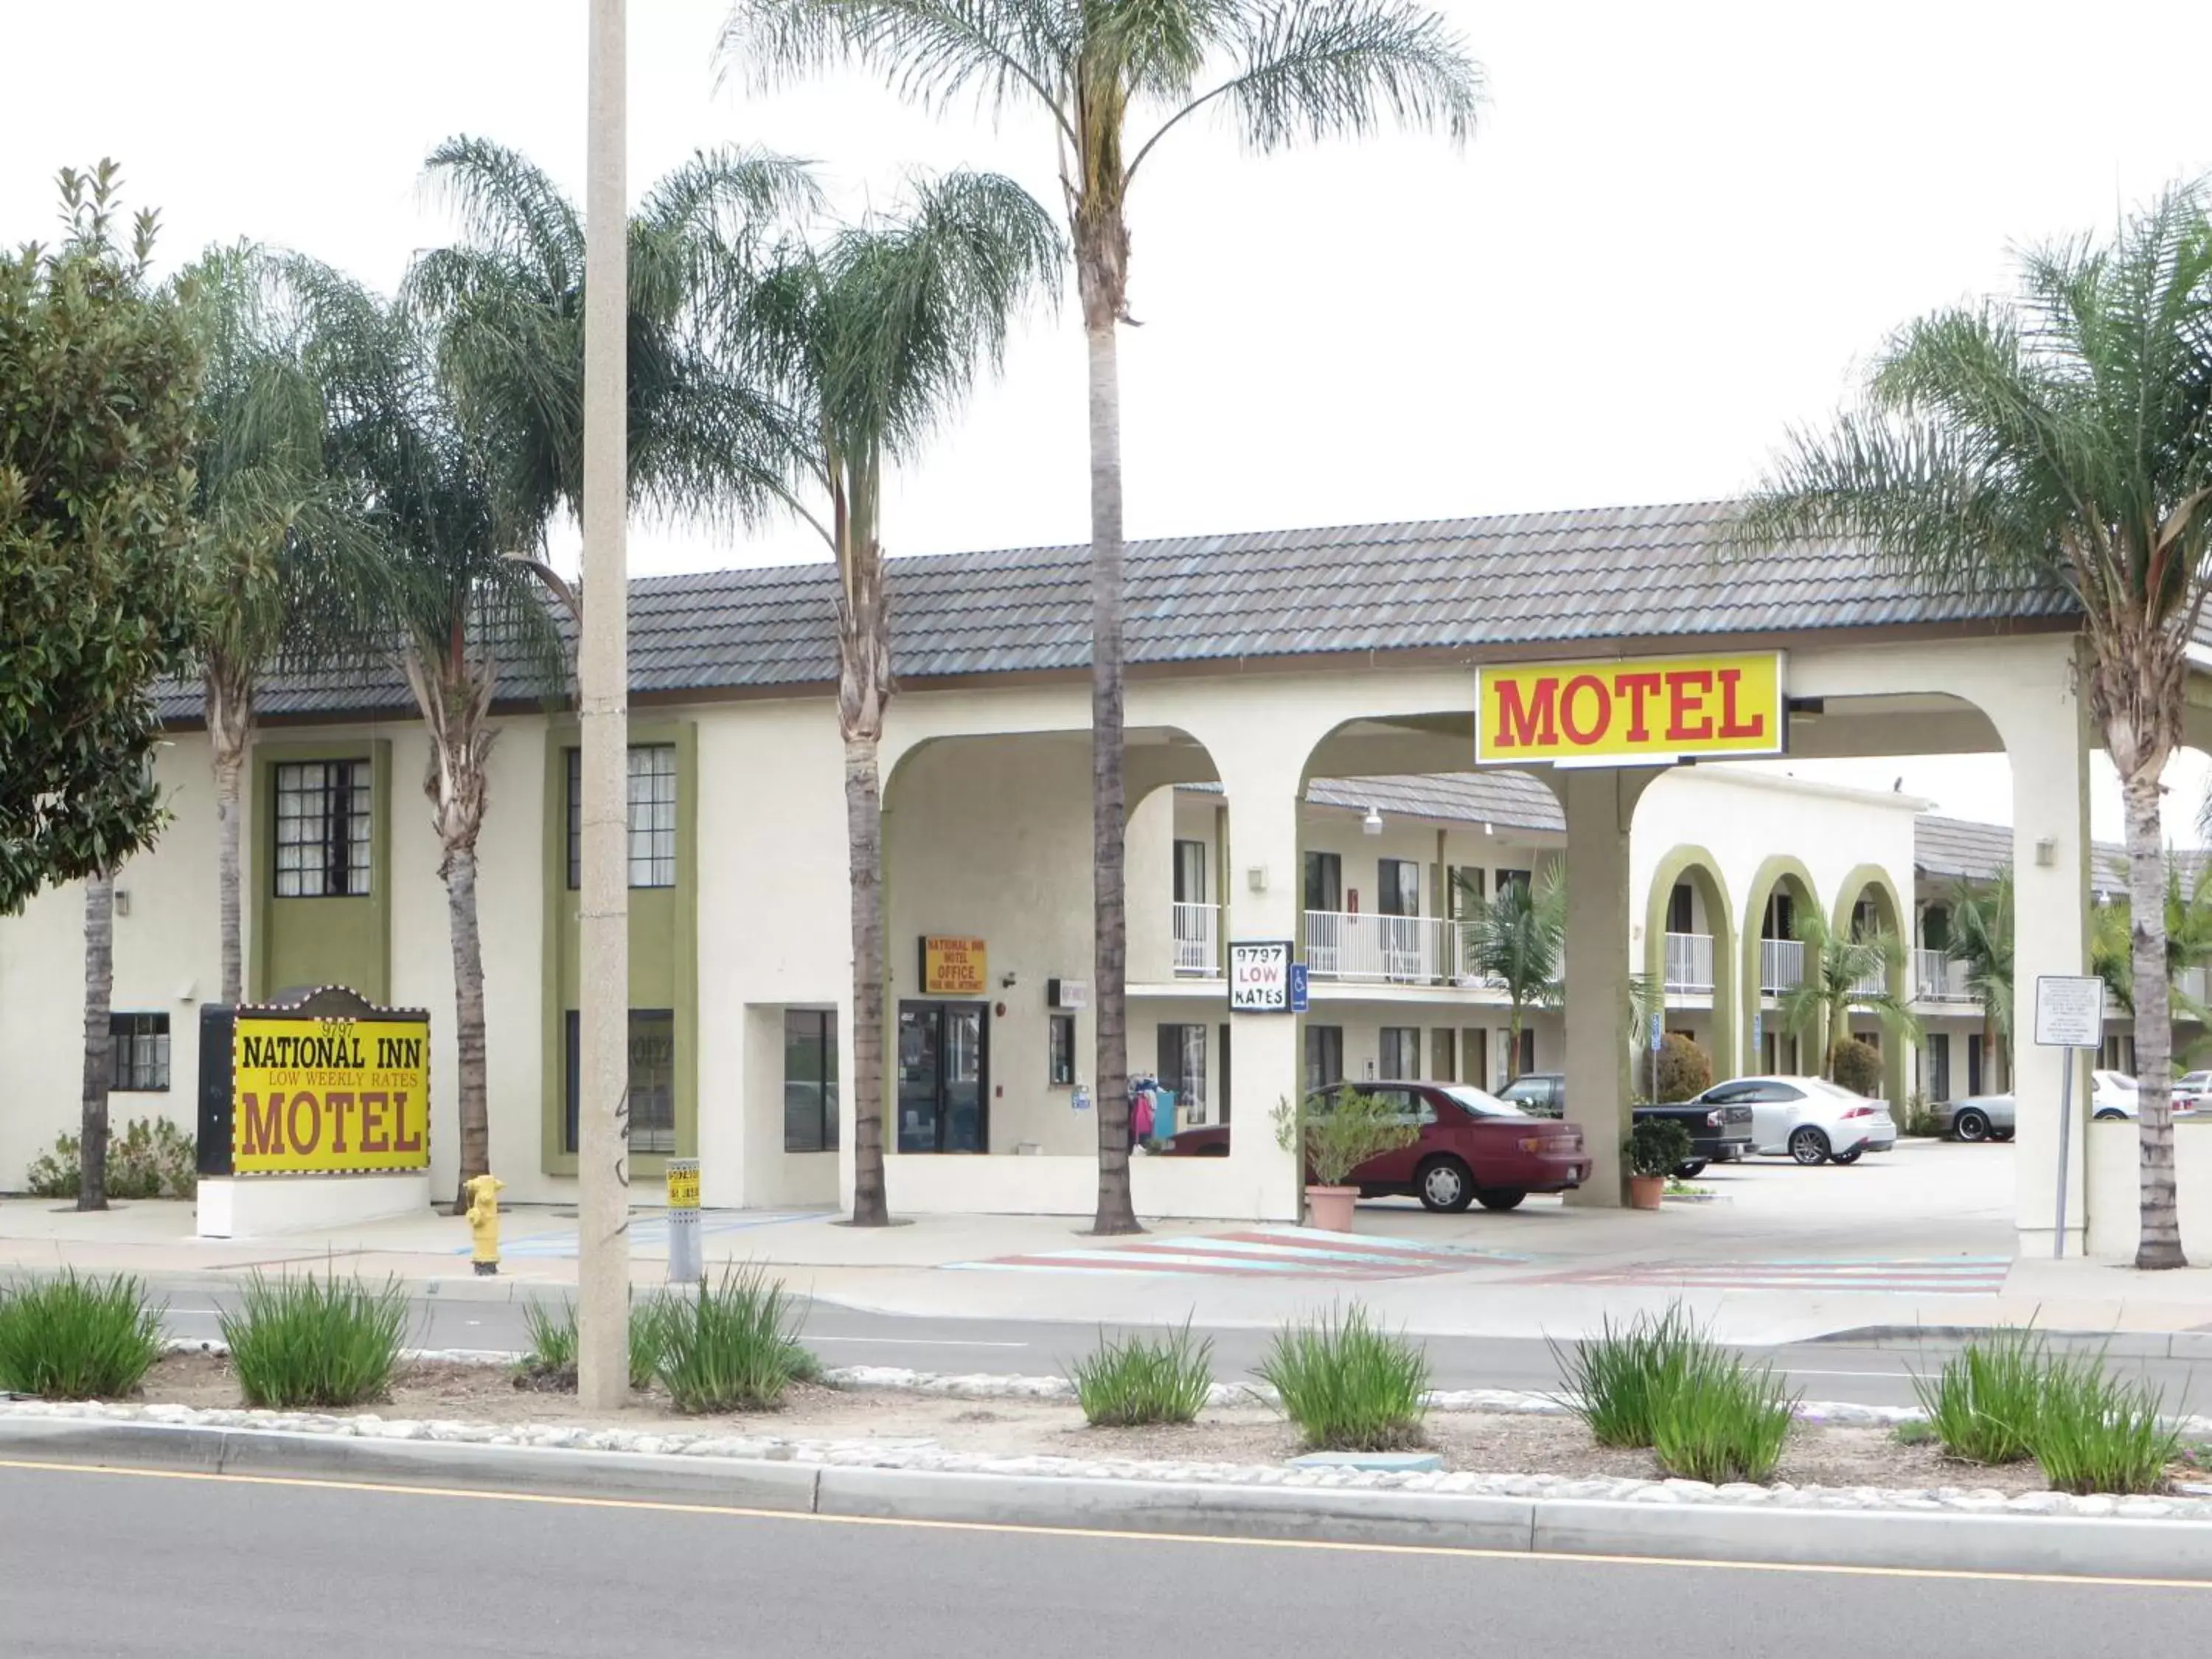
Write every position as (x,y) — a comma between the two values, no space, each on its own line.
(665,1507)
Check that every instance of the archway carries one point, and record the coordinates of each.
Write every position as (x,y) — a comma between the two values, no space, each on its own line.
(1694,963)
(1869,896)
(1773,960)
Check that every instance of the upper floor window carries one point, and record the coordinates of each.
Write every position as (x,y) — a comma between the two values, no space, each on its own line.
(652,816)
(139,1051)
(322,828)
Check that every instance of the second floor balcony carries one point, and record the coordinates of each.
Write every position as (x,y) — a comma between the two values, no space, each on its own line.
(1689,962)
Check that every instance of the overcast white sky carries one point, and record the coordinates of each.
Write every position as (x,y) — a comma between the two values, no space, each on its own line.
(1678,230)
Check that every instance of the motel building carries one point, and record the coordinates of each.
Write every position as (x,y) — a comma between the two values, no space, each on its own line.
(1332,735)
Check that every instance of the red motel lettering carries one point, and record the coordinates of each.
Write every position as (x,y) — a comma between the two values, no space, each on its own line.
(1594,708)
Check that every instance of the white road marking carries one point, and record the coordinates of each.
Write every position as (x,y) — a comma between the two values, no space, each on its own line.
(917,1342)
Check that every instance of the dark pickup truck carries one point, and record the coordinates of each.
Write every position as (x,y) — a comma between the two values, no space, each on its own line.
(1718,1134)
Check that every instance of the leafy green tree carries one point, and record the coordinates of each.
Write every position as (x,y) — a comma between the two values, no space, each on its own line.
(448,609)
(282,567)
(98,379)
(2188,906)
(1518,941)
(1844,972)
(1981,939)
(873,340)
(2061,439)
(1277,71)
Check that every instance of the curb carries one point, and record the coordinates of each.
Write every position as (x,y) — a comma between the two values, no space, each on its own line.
(2061,1546)
(2120,1345)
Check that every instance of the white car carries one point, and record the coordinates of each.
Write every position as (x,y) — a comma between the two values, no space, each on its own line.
(1808,1118)
(2113,1095)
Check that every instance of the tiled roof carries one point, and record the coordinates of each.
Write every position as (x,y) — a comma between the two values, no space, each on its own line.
(1511,800)
(1518,580)
(1955,850)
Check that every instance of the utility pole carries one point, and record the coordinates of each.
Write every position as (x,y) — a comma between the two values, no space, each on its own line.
(602,676)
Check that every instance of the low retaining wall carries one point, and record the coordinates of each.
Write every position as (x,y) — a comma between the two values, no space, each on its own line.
(2112,1161)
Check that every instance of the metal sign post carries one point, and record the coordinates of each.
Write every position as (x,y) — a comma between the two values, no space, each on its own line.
(2070,1014)
(685,1265)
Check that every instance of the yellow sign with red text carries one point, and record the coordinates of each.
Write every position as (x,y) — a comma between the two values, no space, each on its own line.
(317,1096)
(1641,710)
(953,967)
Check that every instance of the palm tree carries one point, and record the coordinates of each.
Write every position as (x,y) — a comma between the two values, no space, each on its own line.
(874,340)
(2063,439)
(2188,908)
(449,609)
(99,1039)
(1981,939)
(1516,941)
(280,564)
(1278,71)
(1844,972)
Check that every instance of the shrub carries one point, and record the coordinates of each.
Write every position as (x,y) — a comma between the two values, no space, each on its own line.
(1981,1405)
(315,1342)
(1657,1146)
(77,1338)
(735,1348)
(1729,1423)
(1341,1131)
(1132,1380)
(2094,1432)
(1925,1117)
(147,1157)
(1620,1382)
(1685,1069)
(549,1362)
(1857,1066)
(1348,1384)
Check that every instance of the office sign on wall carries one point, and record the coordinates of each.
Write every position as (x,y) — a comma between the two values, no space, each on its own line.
(1647,710)
(953,966)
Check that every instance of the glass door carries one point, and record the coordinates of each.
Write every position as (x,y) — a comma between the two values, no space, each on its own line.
(943,1076)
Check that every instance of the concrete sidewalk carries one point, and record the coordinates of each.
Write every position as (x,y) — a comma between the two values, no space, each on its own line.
(1923,1238)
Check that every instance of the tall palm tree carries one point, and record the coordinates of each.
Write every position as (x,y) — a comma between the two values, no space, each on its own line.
(1845,972)
(873,340)
(450,611)
(1981,939)
(1278,71)
(1518,941)
(2188,910)
(2063,440)
(280,566)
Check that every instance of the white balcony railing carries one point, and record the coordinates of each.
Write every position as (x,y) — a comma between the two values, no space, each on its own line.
(1689,962)
(1388,950)
(1781,964)
(1197,950)
(1936,978)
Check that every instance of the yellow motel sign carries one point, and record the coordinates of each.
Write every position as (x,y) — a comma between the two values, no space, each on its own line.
(1630,712)
(953,966)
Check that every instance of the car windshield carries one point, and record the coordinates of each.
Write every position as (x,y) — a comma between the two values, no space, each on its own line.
(1476,1104)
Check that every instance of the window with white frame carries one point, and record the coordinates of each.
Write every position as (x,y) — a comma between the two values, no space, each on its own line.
(652,816)
(139,1052)
(322,828)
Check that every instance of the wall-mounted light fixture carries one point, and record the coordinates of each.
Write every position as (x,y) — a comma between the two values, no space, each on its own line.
(122,901)
(1372,824)
(1256,877)
(2046,850)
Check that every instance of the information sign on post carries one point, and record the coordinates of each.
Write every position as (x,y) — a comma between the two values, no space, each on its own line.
(1260,976)
(685,1265)
(2070,1014)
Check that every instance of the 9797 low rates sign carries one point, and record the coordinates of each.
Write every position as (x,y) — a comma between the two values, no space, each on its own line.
(1260,976)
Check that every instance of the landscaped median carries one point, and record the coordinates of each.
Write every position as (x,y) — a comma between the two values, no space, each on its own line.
(1510,1471)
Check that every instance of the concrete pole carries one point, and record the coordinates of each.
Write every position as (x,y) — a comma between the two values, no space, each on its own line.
(1601,804)
(603,672)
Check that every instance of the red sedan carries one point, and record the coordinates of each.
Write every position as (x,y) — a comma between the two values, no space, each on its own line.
(1473,1149)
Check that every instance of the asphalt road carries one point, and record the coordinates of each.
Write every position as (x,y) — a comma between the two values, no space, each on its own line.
(843,1336)
(98,1565)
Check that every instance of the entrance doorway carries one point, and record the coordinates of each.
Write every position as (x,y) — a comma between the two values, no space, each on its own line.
(943,1077)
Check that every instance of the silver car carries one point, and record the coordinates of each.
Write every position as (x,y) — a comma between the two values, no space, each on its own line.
(1981,1117)
(1808,1119)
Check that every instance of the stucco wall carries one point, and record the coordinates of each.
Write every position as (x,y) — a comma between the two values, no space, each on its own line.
(2113,1163)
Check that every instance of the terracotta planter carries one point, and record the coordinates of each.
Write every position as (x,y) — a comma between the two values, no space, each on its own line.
(1645,1192)
(1329,1208)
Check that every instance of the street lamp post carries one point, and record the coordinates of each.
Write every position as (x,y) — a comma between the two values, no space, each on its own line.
(602,676)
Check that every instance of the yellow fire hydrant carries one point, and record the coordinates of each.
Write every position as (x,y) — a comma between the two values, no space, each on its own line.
(483,1192)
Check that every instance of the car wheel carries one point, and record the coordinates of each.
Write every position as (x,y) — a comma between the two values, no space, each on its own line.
(2110,1116)
(1500,1198)
(1851,1157)
(1444,1184)
(1808,1146)
(1971,1125)
(1691,1170)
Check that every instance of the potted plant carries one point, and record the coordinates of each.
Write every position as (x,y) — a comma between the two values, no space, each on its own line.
(1336,1134)
(1654,1148)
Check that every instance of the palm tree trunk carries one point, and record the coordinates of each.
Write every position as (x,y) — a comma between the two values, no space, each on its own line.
(229,704)
(1513,1045)
(461,873)
(2159,1242)
(98,1038)
(864,847)
(1116,1208)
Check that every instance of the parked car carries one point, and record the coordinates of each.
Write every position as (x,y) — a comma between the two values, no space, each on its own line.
(2195,1087)
(1718,1134)
(1473,1148)
(1808,1119)
(2113,1095)
(1980,1117)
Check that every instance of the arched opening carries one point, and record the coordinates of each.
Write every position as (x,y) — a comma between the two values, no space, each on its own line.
(1868,907)
(1781,890)
(1690,952)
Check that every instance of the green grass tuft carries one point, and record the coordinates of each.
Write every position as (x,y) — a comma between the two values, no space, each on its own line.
(1983,1404)
(77,1338)
(309,1342)
(1729,1424)
(1136,1379)
(1620,1382)
(2099,1433)
(549,1362)
(1349,1384)
(736,1348)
